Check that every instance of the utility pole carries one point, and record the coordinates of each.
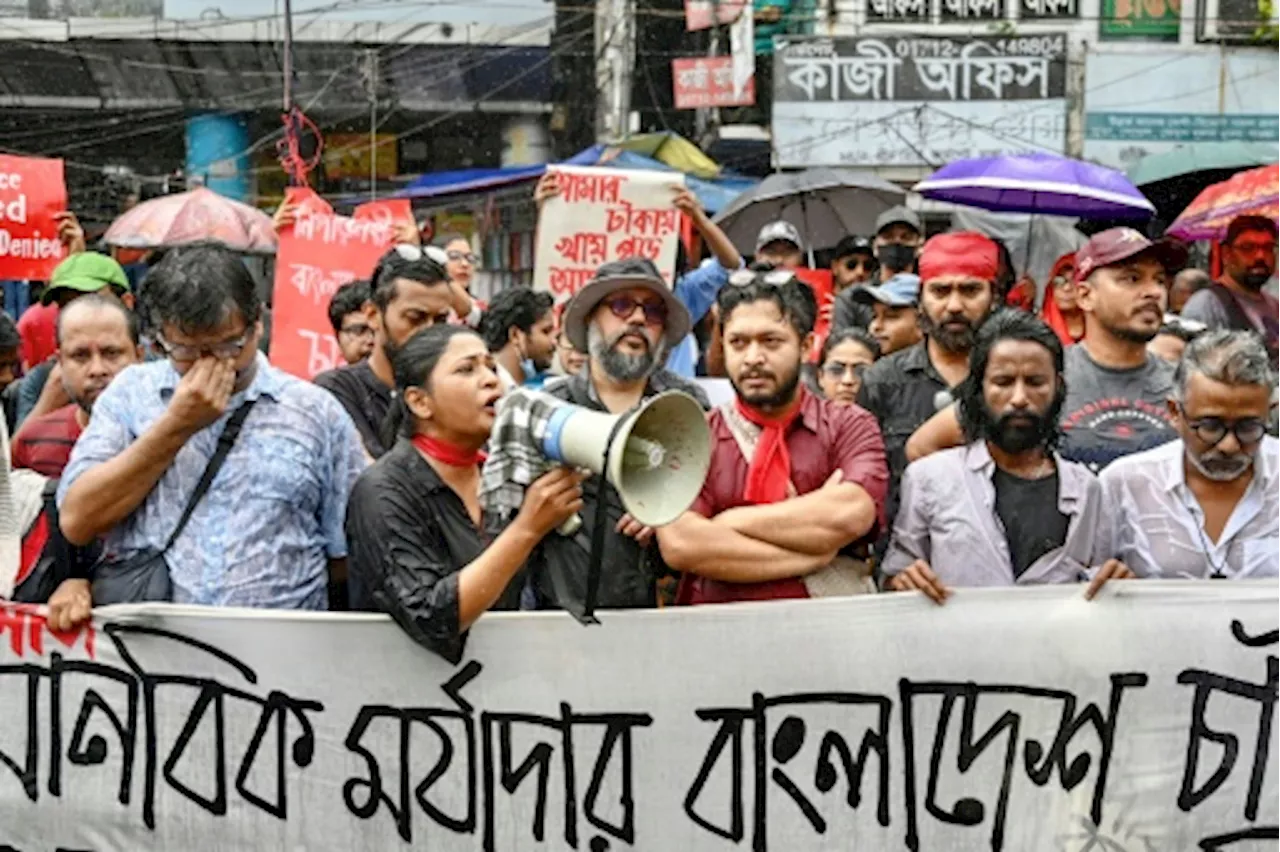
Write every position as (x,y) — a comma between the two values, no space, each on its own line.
(288,55)
(371,83)
(615,40)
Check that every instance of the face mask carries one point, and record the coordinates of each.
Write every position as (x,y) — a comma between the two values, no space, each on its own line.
(896,256)
(529,368)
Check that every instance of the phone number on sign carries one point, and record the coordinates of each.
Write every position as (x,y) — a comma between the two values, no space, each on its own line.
(941,48)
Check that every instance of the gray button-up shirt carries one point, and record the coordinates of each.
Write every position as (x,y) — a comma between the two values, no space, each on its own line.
(948,519)
(1160,525)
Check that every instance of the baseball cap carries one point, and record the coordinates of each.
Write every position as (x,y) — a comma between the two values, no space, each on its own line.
(900,291)
(1240,224)
(852,245)
(1114,245)
(85,272)
(779,231)
(899,215)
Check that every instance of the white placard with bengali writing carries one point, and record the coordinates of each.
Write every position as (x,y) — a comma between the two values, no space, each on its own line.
(602,215)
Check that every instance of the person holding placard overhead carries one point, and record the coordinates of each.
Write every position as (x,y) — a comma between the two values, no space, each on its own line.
(695,289)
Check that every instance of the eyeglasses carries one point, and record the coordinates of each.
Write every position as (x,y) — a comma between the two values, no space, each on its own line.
(1213,430)
(412,253)
(838,370)
(622,307)
(456,256)
(866,263)
(773,278)
(1254,248)
(225,349)
(360,330)
(1063,281)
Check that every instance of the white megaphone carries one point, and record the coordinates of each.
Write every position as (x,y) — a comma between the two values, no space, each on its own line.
(655,456)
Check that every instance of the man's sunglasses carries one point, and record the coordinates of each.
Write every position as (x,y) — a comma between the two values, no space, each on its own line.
(865,263)
(622,307)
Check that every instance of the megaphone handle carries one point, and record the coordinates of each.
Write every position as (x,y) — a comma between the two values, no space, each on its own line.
(599,531)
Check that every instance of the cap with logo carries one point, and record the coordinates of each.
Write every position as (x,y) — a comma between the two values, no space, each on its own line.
(852,245)
(1116,245)
(900,291)
(779,232)
(899,216)
(85,272)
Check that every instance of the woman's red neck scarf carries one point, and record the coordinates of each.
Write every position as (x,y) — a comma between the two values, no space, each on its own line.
(447,453)
(769,472)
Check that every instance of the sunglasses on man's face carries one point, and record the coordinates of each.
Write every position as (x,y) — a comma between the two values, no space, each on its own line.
(622,307)
(855,263)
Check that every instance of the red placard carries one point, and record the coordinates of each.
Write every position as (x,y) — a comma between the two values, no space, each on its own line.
(700,14)
(819,280)
(707,81)
(32,190)
(319,254)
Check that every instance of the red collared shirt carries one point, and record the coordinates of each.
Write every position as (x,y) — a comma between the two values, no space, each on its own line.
(826,437)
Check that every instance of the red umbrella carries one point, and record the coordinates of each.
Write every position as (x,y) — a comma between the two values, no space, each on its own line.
(1249,193)
(195,216)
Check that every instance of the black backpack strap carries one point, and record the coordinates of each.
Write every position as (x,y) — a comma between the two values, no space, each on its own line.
(226,440)
(1235,314)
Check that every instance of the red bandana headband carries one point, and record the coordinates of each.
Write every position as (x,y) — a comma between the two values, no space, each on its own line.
(966,253)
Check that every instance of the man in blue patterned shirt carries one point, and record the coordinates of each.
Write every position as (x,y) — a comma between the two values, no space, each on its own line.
(270,530)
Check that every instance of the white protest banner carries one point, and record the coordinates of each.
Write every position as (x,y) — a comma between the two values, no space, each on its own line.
(1013,719)
(602,215)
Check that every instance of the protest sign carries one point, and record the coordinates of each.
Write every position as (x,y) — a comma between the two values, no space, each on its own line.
(320,253)
(1022,719)
(823,287)
(602,215)
(32,190)
(707,81)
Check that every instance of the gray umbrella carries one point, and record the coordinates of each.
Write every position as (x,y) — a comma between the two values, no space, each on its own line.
(824,204)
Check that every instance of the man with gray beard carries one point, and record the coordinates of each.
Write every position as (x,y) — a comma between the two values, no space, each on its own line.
(627,320)
(1205,506)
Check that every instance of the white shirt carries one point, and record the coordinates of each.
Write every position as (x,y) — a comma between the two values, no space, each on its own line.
(505,379)
(1160,531)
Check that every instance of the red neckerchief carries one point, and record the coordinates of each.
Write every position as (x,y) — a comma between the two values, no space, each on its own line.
(446,453)
(769,472)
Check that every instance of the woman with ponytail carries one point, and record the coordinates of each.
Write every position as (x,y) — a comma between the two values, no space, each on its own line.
(418,547)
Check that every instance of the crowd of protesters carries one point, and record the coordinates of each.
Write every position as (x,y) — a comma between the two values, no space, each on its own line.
(949,434)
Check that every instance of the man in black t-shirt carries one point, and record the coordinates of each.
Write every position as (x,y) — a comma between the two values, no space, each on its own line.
(1004,509)
(410,292)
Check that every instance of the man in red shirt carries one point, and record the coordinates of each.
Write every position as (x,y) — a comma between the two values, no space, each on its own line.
(796,482)
(97,338)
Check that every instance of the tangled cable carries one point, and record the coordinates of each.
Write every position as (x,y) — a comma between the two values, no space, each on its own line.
(289,149)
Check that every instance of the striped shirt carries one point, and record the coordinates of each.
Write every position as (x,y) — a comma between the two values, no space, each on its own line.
(44,444)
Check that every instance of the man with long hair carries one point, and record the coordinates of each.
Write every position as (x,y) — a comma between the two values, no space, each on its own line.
(1004,509)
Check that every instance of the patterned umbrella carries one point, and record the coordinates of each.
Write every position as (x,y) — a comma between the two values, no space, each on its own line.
(1038,183)
(1251,193)
(194,216)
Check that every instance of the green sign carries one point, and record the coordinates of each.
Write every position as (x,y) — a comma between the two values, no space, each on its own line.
(1180,127)
(1152,20)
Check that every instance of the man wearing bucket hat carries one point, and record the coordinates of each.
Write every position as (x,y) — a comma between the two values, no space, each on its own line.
(626,319)
(79,275)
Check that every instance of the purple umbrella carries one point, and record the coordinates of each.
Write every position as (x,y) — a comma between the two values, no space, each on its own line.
(1038,183)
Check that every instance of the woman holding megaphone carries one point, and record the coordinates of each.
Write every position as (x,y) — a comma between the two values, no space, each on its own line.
(415,532)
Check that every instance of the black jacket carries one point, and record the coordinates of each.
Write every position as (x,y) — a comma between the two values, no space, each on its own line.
(560,566)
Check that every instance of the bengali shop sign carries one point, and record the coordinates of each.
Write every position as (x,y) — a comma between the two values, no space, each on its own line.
(319,254)
(1014,719)
(602,215)
(32,190)
(707,81)
(917,100)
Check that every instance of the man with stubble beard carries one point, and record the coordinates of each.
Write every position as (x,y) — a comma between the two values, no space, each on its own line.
(1238,301)
(1116,389)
